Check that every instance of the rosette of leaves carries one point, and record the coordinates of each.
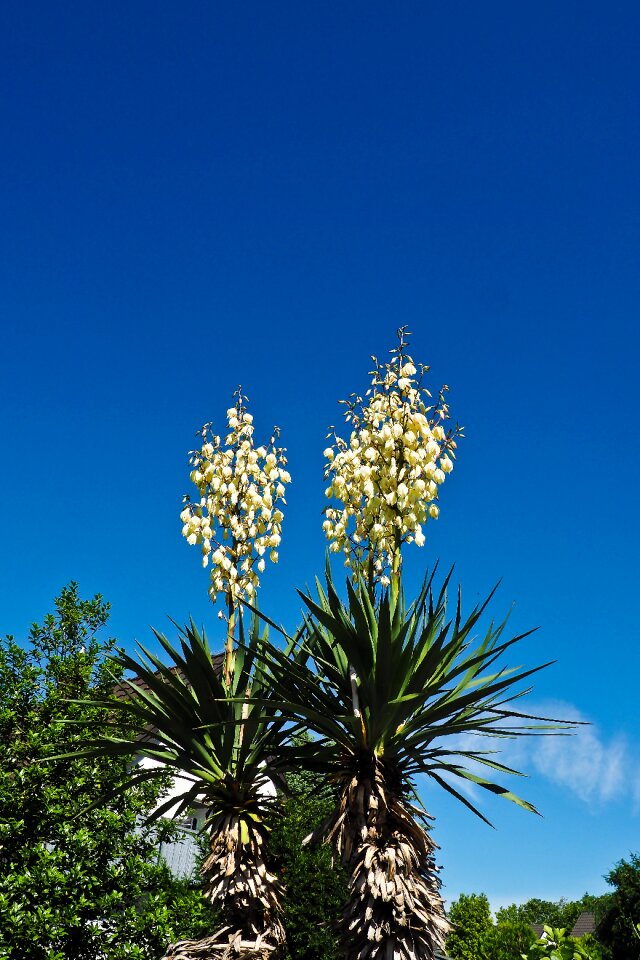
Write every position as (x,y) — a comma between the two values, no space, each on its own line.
(392,692)
(217,743)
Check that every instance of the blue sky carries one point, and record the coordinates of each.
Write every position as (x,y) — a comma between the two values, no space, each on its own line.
(198,195)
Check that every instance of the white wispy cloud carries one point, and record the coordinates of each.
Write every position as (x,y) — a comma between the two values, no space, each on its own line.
(596,768)
(585,763)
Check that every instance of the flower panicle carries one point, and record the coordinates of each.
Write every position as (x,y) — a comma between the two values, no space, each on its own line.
(385,480)
(237,518)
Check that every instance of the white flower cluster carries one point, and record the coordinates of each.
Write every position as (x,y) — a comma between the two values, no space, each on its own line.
(386,479)
(237,520)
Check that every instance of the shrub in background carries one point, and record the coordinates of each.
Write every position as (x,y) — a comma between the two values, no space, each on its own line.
(74,889)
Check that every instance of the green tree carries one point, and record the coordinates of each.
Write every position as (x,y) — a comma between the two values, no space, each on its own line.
(559,913)
(470,918)
(598,905)
(552,913)
(555,913)
(73,889)
(509,939)
(619,930)
(315,888)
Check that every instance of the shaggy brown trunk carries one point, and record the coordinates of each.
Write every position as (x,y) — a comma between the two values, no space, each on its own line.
(248,895)
(394,911)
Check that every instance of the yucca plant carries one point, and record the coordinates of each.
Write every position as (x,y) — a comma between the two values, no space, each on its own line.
(202,727)
(392,692)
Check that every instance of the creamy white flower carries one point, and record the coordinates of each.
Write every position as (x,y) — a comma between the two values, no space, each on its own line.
(235,521)
(384,478)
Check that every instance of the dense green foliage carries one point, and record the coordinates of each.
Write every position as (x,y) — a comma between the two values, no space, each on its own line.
(476,937)
(90,887)
(75,888)
(315,890)
(508,940)
(470,917)
(556,944)
(555,913)
(620,931)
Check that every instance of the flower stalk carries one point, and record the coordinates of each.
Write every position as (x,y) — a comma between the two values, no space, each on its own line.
(236,518)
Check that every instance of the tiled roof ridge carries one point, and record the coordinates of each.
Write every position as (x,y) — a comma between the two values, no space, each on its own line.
(586,923)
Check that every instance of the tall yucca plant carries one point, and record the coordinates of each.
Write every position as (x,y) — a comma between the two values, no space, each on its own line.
(392,692)
(201,726)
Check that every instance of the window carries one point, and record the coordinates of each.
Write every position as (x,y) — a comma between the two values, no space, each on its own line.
(189,823)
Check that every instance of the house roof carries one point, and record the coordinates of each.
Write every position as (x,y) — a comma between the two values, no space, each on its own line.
(122,690)
(586,923)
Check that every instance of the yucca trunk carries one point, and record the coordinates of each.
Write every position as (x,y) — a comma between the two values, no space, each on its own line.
(394,911)
(238,883)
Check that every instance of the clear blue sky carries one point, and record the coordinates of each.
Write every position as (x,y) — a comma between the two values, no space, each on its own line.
(197,195)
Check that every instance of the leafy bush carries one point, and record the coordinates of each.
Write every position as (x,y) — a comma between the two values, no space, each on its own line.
(470,918)
(555,944)
(509,939)
(315,891)
(75,888)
